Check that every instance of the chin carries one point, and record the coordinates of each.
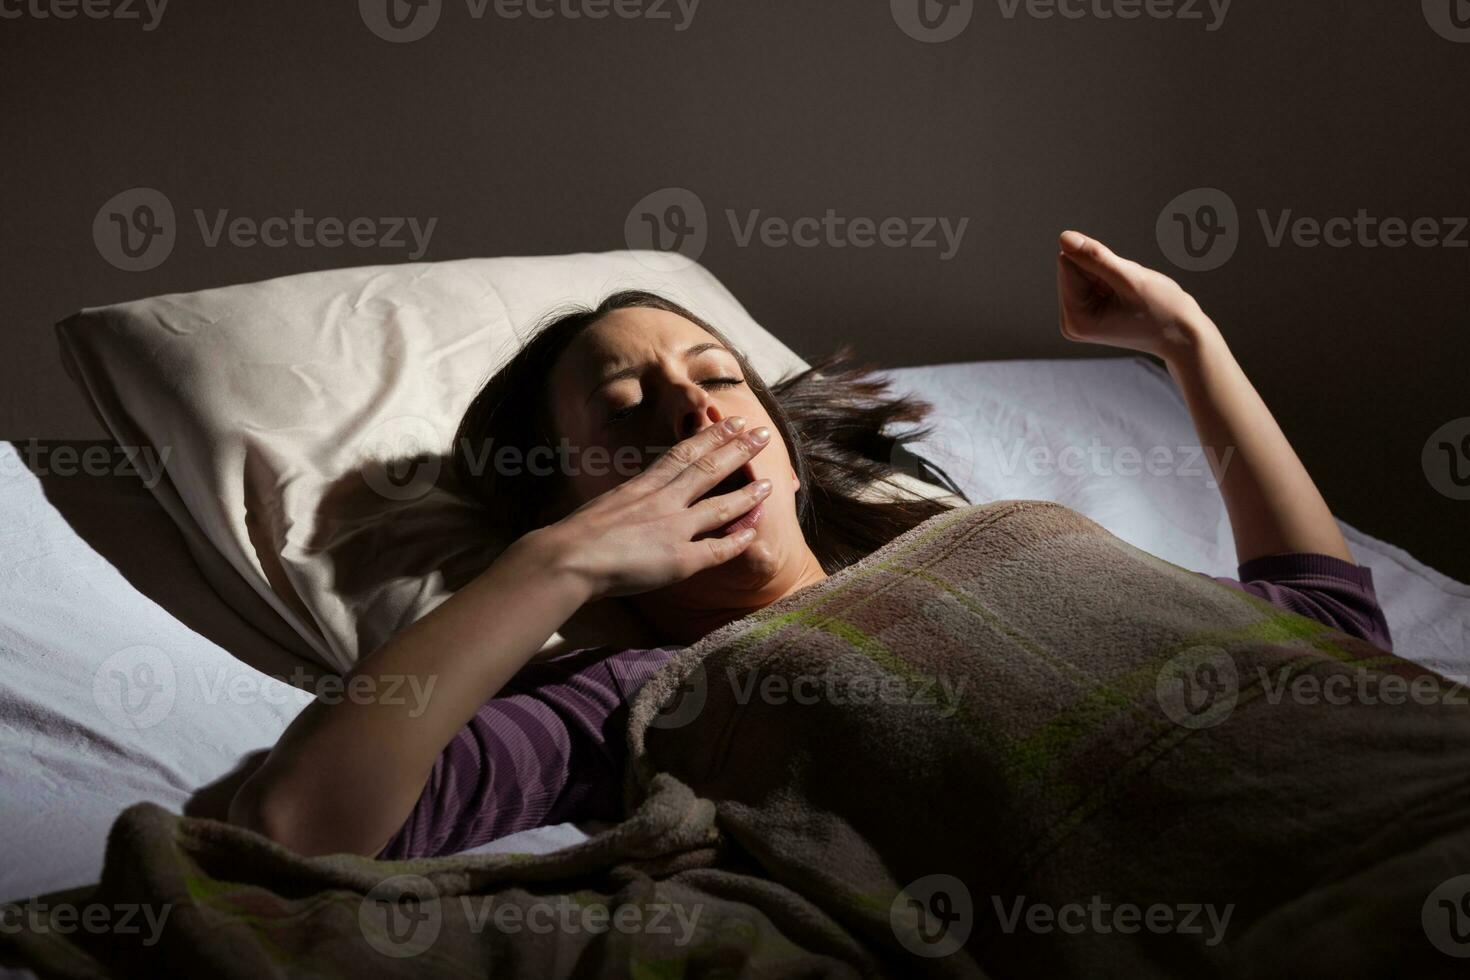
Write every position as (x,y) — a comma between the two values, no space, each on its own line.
(751,571)
(760,562)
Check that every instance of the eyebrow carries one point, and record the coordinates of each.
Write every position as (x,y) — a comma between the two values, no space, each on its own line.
(629,372)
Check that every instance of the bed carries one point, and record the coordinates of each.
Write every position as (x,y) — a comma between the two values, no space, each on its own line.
(97,581)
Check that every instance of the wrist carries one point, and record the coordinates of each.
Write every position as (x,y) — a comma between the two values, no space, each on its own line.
(1190,340)
(549,551)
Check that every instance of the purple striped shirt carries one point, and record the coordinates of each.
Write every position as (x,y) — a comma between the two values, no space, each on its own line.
(1329,590)
(550,747)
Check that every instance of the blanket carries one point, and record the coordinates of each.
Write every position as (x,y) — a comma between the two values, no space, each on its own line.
(1006,744)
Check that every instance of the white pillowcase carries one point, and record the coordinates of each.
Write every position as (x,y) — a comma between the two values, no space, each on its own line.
(277,401)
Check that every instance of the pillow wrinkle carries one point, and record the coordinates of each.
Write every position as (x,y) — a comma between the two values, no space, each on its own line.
(260,525)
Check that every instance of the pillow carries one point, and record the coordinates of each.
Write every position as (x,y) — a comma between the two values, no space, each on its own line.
(304,422)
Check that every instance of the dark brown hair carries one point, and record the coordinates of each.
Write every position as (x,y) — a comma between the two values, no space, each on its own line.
(835,418)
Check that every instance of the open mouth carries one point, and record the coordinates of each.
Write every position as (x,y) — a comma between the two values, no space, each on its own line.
(742,477)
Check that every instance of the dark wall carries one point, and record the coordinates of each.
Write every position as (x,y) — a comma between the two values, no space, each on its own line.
(539,136)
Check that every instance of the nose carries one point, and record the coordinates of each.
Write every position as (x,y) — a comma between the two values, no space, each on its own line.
(696,412)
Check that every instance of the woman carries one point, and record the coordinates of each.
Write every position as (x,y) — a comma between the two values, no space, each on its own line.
(757,500)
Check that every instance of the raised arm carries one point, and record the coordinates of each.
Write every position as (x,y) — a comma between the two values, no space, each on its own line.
(345,774)
(1274,506)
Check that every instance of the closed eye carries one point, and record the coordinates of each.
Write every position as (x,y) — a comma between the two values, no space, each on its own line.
(710,384)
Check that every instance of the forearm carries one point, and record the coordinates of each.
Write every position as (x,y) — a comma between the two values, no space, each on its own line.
(345,774)
(1274,506)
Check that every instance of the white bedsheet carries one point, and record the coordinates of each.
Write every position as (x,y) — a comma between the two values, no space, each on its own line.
(71,759)
(72,628)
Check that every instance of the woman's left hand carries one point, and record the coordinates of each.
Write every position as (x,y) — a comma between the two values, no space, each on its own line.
(1274,506)
(1107,299)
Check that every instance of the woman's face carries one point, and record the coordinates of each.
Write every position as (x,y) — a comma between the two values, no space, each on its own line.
(637,382)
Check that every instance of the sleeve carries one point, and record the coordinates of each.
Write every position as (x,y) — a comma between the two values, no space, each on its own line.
(550,749)
(1332,591)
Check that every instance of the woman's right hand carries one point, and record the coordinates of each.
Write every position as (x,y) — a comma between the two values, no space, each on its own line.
(640,535)
(316,795)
